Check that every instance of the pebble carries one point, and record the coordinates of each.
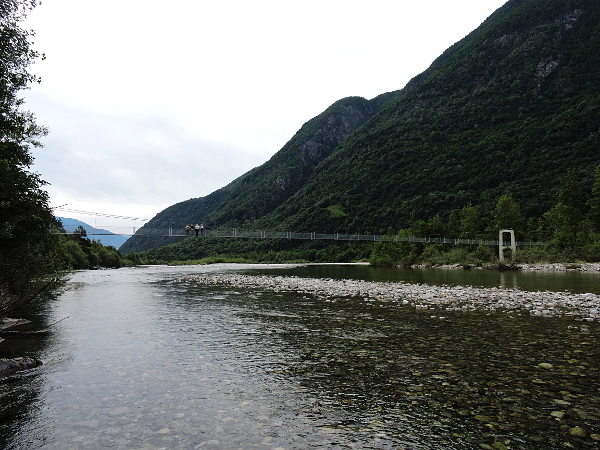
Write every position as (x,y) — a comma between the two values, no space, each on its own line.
(421,296)
(562,267)
(578,431)
(545,267)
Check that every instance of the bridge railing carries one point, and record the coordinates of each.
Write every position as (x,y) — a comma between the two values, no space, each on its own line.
(265,234)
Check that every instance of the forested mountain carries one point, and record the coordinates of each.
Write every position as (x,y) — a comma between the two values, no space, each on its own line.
(264,188)
(505,111)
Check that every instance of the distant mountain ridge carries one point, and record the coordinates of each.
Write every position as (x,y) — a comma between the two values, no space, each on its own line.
(506,110)
(70,225)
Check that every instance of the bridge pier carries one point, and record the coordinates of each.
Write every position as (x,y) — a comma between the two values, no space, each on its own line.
(502,247)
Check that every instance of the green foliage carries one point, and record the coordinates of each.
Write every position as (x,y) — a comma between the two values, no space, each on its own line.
(469,222)
(563,223)
(507,215)
(593,251)
(389,254)
(81,253)
(561,226)
(436,226)
(336,210)
(570,238)
(594,202)
(393,254)
(108,256)
(76,257)
(570,193)
(30,257)
(260,251)
(483,123)
(134,258)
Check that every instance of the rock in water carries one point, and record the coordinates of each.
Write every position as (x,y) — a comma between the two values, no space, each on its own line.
(578,431)
(8,366)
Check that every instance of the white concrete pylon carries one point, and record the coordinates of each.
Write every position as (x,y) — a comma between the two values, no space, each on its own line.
(501,246)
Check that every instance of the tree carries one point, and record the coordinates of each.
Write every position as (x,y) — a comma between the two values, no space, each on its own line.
(80,236)
(469,221)
(134,258)
(594,202)
(436,226)
(453,225)
(564,220)
(570,192)
(559,226)
(507,214)
(29,254)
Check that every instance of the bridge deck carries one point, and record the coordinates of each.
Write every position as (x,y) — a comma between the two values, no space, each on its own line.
(261,234)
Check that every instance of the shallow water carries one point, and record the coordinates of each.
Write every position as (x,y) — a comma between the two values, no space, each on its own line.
(142,361)
(572,281)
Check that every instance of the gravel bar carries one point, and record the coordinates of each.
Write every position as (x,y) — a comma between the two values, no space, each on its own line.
(421,296)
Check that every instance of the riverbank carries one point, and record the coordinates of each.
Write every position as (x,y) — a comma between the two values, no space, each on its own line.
(563,267)
(545,267)
(421,296)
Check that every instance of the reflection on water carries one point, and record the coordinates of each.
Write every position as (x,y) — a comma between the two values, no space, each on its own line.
(575,282)
(144,362)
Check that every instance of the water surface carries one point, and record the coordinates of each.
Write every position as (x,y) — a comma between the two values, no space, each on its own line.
(143,361)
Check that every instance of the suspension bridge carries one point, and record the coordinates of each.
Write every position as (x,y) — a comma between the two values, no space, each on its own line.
(237,233)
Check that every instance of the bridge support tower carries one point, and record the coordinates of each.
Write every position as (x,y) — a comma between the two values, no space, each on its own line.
(502,247)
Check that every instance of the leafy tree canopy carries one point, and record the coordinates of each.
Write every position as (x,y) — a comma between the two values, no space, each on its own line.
(29,255)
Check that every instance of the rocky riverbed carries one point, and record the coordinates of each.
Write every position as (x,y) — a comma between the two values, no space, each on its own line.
(566,267)
(545,267)
(436,298)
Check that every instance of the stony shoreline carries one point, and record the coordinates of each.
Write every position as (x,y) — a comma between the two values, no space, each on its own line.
(563,267)
(449,298)
(545,267)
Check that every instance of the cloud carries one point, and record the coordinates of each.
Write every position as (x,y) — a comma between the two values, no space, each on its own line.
(137,159)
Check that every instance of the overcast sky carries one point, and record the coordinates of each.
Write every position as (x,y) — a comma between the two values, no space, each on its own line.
(150,103)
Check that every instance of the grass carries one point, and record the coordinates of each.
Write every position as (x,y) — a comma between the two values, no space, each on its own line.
(336,210)
(211,260)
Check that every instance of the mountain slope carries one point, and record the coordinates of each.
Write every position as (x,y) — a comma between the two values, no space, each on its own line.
(505,111)
(264,188)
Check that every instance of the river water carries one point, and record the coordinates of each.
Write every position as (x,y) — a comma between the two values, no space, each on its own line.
(142,360)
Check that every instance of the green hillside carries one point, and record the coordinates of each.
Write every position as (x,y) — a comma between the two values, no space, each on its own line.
(505,111)
(264,188)
(513,107)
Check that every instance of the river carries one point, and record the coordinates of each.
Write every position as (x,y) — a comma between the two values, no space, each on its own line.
(138,359)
